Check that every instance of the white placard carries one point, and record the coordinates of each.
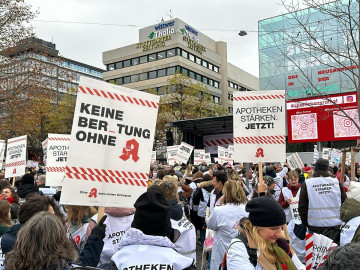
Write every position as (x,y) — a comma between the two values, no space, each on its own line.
(336,156)
(184,152)
(294,208)
(199,156)
(2,152)
(221,154)
(326,153)
(295,161)
(153,157)
(207,158)
(44,147)
(316,154)
(57,154)
(171,154)
(110,146)
(16,156)
(259,126)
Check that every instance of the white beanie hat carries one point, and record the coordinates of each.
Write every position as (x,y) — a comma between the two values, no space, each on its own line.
(355,190)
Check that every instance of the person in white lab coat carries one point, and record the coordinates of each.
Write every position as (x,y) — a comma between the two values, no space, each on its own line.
(224,219)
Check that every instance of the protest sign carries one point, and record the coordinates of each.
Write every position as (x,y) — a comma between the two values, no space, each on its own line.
(294,161)
(221,154)
(316,154)
(44,147)
(2,152)
(57,154)
(336,156)
(110,146)
(326,153)
(184,152)
(153,157)
(199,156)
(259,126)
(229,154)
(294,208)
(16,156)
(171,154)
(207,158)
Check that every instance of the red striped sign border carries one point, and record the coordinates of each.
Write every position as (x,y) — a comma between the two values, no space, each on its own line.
(216,142)
(119,97)
(17,140)
(260,140)
(107,176)
(58,139)
(55,169)
(15,164)
(260,97)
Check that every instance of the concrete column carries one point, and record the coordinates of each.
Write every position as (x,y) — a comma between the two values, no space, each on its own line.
(221,49)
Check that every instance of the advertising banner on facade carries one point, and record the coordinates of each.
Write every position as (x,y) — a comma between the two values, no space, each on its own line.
(199,156)
(184,152)
(171,152)
(259,126)
(110,146)
(211,142)
(319,119)
(16,156)
(57,154)
(295,161)
(2,152)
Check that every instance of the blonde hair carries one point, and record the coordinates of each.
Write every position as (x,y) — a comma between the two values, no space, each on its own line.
(233,193)
(262,245)
(293,174)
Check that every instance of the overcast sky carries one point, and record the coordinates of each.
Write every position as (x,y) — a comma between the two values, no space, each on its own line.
(85,43)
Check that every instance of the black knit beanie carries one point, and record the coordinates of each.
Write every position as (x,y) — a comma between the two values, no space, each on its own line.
(270,170)
(265,212)
(27,179)
(152,215)
(322,164)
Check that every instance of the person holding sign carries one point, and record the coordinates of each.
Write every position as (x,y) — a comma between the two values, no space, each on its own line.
(265,232)
(292,190)
(320,200)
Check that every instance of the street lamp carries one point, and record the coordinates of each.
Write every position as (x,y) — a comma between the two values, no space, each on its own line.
(242,33)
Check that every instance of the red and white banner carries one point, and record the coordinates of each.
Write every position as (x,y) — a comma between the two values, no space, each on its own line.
(171,154)
(57,153)
(259,126)
(184,152)
(110,146)
(2,152)
(211,142)
(199,156)
(16,156)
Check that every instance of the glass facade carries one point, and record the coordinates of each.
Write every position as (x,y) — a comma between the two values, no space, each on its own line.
(299,62)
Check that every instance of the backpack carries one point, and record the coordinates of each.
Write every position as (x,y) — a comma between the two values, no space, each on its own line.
(252,252)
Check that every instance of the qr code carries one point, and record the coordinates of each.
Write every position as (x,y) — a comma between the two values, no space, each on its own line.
(343,126)
(304,126)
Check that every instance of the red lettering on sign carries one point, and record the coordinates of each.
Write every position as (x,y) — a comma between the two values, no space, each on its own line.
(93,193)
(131,149)
(259,153)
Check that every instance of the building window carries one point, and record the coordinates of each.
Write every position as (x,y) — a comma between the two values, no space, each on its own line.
(192,74)
(211,82)
(152,74)
(198,77)
(143,59)
(135,61)
(242,88)
(198,61)
(216,69)
(127,79)
(210,66)
(185,71)
(152,57)
(127,63)
(191,57)
(170,53)
(143,76)
(118,65)
(170,71)
(135,78)
(230,109)
(119,81)
(160,90)
(110,67)
(230,96)
(184,54)
(161,55)
(205,80)
(204,64)
(162,72)
(216,84)
(216,99)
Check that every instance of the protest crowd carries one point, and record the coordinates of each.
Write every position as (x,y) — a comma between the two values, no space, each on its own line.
(221,213)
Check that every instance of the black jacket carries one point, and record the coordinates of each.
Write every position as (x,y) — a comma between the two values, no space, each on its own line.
(8,239)
(176,212)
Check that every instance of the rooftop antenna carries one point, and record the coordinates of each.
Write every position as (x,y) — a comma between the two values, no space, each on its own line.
(170,16)
(162,19)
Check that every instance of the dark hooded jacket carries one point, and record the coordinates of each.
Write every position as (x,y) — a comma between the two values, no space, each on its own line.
(24,190)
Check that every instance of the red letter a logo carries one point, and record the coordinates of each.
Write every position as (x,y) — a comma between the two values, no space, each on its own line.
(131,149)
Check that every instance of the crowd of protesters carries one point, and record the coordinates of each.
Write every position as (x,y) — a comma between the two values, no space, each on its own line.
(235,217)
